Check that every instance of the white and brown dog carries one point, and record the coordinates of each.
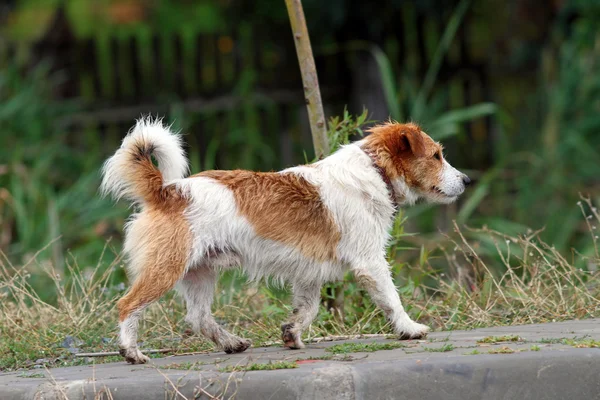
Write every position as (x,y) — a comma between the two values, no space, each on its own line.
(305,225)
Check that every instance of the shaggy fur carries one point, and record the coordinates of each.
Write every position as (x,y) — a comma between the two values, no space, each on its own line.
(305,225)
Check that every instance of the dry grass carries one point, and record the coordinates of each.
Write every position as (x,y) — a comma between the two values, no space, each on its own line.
(538,284)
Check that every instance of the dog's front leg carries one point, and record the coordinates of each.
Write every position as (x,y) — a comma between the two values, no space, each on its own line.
(306,306)
(198,288)
(377,280)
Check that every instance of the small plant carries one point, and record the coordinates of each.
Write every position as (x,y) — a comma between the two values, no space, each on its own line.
(31,375)
(443,349)
(534,347)
(363,347)
(446,339)
(502,350)
(582,344)
(260,367)
(552,340)
(341,130)
(579,342)
(324,357)
(473,352)
(186,366)
(500,339)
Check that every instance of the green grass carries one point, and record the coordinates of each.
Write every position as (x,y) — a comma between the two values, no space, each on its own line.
(443,349)
(186,366)
(552,340)
(534,347)
(260,367)
(499,339)
(324,357)
(575,342)
(578,342)
(344,348)
(473,352)
(31,375)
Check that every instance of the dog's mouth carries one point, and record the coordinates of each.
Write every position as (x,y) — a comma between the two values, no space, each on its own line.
(445,197)
(437,190)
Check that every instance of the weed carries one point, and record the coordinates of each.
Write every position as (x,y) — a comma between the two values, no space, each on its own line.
(187,366)
(552,340)
(324,357)
(499,339)
(446,339)
(443,349)
(473,352)
(534,347)
(341,130)
(363,347)
(31,375)
(582,343)
(260,367)
(579,342)
(502,350)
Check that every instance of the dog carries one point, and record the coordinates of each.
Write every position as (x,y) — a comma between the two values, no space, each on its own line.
(305,225)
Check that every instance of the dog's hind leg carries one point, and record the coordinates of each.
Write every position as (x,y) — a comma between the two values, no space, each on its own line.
(306,306)
(198,289)
(377,280)
(153,282)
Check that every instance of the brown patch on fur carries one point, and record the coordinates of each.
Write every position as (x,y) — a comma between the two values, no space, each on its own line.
(148,180)
(162,255)
(403,150)
(161,233)
(285,208)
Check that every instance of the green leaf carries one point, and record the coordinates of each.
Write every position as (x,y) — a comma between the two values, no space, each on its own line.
(388,82)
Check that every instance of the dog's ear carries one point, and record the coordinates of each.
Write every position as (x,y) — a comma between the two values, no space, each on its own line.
(412,140)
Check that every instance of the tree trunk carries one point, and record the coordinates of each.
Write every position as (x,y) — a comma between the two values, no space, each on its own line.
(310,80)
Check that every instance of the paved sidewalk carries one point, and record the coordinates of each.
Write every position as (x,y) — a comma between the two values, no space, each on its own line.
(547,361)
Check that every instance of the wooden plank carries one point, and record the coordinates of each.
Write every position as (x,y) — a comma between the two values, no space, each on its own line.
(178,67)
(135,70)
(158,65)
(198,62)
(116,71)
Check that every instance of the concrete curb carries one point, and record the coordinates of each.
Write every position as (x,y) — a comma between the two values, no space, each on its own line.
(563,374)
(557,371)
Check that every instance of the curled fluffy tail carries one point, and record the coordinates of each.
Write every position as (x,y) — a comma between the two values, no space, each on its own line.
(130,172)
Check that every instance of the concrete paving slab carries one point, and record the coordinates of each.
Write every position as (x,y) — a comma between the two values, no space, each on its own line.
(546,361)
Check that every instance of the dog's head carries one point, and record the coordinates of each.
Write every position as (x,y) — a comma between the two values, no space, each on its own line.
(414,163)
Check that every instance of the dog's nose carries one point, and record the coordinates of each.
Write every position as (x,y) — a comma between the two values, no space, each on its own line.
(466,180)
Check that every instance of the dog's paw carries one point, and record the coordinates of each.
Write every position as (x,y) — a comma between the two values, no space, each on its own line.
(134,356)
(414,330)
(290,338)
(239,346)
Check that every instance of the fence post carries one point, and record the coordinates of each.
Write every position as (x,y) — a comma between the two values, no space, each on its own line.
(58,46)
(316,116)
(310,80)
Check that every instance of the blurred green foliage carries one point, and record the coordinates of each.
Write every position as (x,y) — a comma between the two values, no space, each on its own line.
(48,185)
(549,152)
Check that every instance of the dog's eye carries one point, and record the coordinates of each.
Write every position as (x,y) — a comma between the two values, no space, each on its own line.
(437,156)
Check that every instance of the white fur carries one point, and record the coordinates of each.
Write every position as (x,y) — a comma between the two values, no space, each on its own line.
(451,182)
(147,133)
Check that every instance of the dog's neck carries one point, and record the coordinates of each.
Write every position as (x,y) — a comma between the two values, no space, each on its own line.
(384,177)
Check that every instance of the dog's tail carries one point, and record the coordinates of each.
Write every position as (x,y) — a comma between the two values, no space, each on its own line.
(130,173)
